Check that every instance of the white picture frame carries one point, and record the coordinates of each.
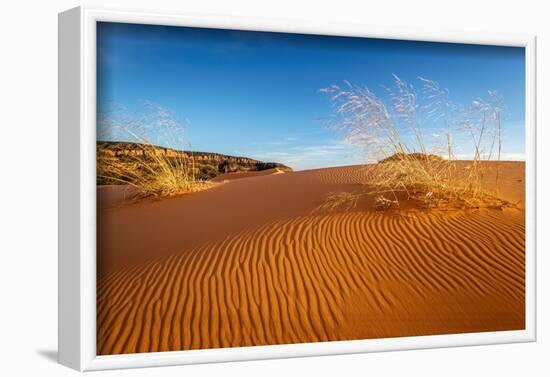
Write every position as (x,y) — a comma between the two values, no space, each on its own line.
(77,191)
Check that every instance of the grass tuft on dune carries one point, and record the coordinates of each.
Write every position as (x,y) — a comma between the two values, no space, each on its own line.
(392,129)
(151,170)
(152,173)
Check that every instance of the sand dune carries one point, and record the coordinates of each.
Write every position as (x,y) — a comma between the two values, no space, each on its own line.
(252,263)
(246,174)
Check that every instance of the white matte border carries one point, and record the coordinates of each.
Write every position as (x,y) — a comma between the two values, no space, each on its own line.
(86,308)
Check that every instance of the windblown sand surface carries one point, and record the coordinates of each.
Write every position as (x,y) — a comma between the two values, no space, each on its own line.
(254,262)
(249,174)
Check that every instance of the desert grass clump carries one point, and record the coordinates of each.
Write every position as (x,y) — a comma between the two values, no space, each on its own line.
(413,138)
(339,200)
(152,166)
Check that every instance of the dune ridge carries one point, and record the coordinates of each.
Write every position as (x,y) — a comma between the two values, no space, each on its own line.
(321,277)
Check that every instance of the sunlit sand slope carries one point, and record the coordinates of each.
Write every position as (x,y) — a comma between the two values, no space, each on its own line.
(289,274)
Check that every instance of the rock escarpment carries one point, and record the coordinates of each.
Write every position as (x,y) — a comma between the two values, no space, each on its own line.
(205,165)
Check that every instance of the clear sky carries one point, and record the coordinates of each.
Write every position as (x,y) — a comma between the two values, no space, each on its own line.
(257,94)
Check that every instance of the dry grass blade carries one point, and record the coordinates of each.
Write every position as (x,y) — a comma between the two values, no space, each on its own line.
(339,200)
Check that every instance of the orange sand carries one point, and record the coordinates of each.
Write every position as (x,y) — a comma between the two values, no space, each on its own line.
(249,174)
(252,262)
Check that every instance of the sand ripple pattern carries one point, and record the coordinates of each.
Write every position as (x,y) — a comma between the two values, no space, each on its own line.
(302,280)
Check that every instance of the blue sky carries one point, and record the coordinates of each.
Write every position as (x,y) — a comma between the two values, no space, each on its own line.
(257,94)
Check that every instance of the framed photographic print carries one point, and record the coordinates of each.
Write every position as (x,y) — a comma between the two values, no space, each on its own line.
(237,189)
